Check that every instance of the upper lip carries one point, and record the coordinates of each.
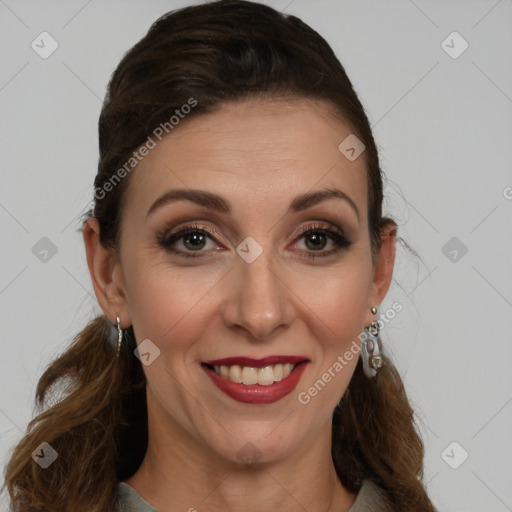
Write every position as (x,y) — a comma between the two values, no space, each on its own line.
(257,363)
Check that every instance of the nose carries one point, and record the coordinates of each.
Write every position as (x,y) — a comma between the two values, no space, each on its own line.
(258,298)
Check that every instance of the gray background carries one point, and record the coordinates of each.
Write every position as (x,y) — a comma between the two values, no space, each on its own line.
(443,126)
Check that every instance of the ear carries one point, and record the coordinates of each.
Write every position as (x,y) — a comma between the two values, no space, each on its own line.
(106,275)
(383,266)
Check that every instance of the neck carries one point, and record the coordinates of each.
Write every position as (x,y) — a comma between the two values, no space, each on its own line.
(179,473)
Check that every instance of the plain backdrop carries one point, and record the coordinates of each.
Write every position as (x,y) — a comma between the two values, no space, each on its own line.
(441,114)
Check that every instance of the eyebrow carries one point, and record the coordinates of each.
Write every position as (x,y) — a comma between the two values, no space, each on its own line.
(219,204)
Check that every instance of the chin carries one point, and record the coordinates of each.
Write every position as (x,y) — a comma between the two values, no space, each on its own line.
(248,449)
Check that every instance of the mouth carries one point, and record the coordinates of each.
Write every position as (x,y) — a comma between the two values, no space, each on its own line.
(256,380)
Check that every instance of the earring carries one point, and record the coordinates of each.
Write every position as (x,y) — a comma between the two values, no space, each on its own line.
(119,336)
(371,358)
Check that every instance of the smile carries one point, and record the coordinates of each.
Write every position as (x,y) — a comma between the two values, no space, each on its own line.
(256,380)
(263,376)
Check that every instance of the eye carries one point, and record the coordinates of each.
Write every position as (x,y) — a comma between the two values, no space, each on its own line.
(317,237)
(193,239)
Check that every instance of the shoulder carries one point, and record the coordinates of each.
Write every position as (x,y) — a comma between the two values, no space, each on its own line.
(128,500)
(371,498)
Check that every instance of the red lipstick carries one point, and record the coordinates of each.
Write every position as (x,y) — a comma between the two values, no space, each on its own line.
(256,393)
(257,363)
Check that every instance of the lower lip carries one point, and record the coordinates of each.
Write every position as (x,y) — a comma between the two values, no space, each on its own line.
(255,393)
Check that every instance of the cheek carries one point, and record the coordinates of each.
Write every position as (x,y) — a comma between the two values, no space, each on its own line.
(167,304)
(338,297)
(338,305)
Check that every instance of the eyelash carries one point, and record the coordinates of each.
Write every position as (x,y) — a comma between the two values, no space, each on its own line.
(166,240)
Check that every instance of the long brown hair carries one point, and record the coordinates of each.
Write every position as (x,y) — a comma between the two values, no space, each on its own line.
(215,52)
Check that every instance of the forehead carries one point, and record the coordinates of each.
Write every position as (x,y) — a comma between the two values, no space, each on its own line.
(252,150)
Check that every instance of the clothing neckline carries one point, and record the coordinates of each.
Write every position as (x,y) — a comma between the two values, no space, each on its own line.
(367,489)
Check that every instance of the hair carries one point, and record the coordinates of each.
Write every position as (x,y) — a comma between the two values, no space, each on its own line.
(217,52)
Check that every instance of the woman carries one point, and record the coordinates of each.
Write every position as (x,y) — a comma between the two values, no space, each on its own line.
(238,251)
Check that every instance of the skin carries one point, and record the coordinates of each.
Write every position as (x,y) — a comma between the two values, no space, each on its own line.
(258,155)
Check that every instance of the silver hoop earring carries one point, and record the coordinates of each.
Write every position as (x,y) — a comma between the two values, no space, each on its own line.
(370,351)
(119,336)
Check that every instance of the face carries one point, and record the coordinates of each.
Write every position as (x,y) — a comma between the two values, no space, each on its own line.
(266,270)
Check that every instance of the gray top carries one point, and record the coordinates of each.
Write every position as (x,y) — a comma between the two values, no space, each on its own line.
(370,498)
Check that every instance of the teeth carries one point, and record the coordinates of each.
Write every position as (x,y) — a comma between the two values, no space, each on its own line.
(265,376)
(262,376)
(278,372)
(235,373)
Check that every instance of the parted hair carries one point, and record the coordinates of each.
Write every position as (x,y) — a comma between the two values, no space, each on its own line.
(216,52)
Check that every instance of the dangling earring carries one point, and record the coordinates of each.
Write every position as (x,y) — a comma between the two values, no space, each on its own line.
(119,336)
(370,352)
